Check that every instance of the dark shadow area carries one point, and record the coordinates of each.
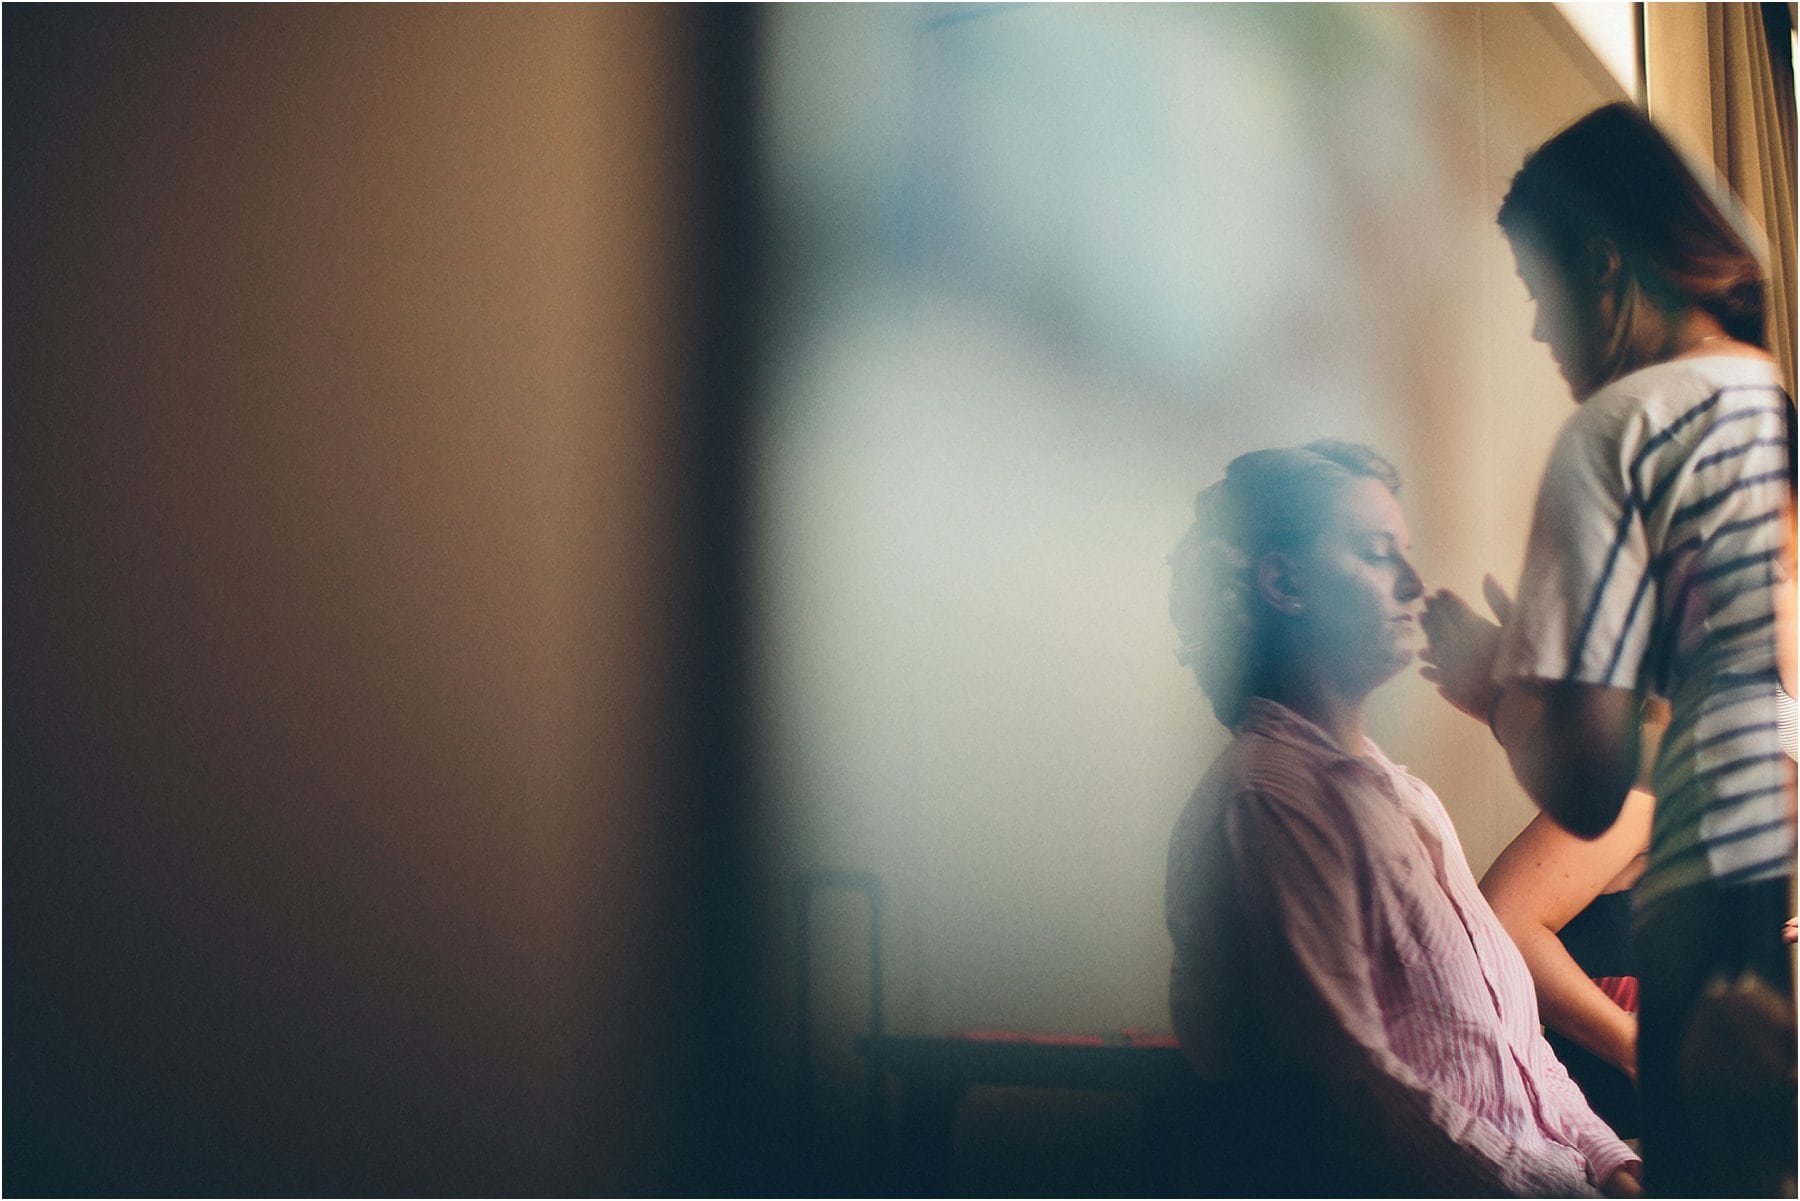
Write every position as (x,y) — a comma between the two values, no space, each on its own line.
(377,817)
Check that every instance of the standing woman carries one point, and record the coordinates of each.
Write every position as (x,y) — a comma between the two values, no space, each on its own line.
(1651,571)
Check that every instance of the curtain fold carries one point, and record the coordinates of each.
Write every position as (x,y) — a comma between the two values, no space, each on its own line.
(1719,78)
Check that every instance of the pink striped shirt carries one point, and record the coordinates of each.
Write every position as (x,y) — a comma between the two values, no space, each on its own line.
(1327,928)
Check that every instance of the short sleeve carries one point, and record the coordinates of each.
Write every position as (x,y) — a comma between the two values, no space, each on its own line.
(1583,611)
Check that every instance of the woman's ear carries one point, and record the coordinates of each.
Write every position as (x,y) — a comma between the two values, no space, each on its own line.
(1276,584)
(1604,264)
(1606,270)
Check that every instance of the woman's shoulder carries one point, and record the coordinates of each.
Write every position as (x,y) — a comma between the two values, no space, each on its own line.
(1677,400)
(1257,767)
(1675,388)
(1295,781)
(1279,752)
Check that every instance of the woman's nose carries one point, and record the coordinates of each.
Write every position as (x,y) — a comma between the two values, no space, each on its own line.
(1410,586)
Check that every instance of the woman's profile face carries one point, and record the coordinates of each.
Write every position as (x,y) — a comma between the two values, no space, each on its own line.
(1560,324)
(1360,591)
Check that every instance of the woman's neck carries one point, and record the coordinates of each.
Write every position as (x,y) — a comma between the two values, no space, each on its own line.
(1698,333)
(1323,704)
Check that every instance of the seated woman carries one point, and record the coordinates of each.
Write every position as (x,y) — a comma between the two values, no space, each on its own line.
(1333,956)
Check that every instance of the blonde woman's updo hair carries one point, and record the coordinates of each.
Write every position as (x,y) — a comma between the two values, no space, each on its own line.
(1270,500)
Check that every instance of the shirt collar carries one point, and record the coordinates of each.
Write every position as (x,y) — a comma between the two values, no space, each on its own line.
(1272,719)
(1276,721)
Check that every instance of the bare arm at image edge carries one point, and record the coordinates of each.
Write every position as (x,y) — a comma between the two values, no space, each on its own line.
(1538,884)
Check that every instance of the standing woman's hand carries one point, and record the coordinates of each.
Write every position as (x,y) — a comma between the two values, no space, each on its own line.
(1460,646)
(1627,1181)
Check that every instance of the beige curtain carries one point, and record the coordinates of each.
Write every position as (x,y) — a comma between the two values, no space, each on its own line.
(1712,82)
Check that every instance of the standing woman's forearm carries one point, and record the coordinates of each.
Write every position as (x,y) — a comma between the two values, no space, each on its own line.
(1543,880)
(1574,748)
(1572,1004)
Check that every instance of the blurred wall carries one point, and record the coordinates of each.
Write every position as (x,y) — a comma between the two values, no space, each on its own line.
(349,477)
(1042,271)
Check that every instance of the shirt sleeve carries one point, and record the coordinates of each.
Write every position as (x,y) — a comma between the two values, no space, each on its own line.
(1302,877)
(1589,1133)
(1564,1102)
(1583,611)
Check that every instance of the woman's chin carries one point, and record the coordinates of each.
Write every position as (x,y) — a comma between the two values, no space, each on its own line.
(1405,650)
(1376,675)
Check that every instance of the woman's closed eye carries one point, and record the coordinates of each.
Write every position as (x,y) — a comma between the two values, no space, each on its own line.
(1381,551)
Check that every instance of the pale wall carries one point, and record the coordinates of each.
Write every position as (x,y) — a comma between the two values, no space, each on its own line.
(1047,270)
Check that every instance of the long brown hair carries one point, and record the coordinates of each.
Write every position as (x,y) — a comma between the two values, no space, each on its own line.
(1610,192)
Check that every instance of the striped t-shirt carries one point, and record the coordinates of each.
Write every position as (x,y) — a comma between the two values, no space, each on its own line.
(1652,566)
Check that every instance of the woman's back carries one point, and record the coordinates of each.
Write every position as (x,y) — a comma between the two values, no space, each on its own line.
(1674,481)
